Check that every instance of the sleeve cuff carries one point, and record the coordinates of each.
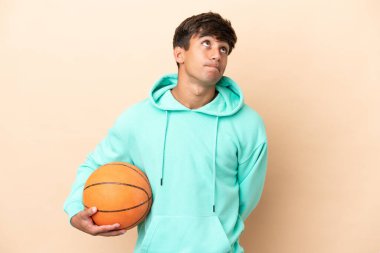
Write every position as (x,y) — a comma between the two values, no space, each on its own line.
(73,209)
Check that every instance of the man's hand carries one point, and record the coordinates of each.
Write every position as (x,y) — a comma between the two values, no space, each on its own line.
(83,222)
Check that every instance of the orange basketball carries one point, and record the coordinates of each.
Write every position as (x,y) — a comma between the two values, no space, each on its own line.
(121,192)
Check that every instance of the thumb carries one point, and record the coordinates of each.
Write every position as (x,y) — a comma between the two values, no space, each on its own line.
(91,211)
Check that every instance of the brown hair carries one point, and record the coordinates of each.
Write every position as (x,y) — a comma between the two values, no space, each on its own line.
(204,24)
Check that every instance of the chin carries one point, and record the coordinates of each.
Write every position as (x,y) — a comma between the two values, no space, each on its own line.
(213,74)
(213,79)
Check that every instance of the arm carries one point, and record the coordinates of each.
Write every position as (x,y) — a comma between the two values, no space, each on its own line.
(112,148)
(251,176)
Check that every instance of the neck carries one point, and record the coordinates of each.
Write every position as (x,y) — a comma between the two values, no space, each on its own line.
(193,95)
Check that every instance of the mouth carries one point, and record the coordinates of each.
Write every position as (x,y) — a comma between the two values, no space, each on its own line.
(213,67)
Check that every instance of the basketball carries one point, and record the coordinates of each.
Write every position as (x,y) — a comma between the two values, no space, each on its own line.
(121,192)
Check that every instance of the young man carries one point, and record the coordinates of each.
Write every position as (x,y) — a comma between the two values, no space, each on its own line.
(203,150)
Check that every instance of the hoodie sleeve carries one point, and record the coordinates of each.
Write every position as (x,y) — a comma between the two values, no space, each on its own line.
(111,148)
(251,176)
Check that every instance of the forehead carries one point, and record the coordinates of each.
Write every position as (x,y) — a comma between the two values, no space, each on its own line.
(197,37)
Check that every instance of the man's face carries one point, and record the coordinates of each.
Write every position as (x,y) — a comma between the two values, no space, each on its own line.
(205,60)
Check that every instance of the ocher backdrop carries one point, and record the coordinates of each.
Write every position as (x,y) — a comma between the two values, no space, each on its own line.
(310,68)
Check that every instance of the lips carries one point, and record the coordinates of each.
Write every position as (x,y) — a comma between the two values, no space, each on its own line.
(213,66)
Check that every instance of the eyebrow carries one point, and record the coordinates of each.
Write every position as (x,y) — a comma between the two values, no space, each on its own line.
(212,37)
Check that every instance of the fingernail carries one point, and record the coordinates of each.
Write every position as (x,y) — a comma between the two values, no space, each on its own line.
(93,209)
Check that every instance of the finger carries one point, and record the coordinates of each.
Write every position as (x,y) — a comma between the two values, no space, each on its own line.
(105,228)
(114,233)
(90,211)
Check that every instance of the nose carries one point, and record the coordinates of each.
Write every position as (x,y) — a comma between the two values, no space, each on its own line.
(215,54)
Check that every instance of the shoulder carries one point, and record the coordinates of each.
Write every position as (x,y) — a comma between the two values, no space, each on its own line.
(138,113)
(139,106)
(131,113)
(249,129)
(250,118)
(136,109)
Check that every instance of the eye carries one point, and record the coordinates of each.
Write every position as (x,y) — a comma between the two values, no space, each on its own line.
(224,50)
(206,43)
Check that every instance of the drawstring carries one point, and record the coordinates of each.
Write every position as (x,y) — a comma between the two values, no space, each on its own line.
(214,157)
(163,149)
(214,163)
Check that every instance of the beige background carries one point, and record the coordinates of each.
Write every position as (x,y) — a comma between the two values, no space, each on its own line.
(310,68)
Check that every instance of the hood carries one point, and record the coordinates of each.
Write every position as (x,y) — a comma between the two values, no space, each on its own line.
(228,101)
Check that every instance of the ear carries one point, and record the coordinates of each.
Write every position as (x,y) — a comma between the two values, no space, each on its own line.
(178,53)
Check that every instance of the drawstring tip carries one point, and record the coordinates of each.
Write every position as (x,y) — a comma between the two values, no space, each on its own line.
(161,181)
(213,208)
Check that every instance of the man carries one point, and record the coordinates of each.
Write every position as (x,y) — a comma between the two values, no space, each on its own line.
(203,150)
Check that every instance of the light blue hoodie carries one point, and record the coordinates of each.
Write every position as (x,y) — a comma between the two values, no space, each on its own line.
(206,167)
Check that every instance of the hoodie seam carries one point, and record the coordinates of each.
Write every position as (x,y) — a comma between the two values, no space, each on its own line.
(250,170)
(250,155)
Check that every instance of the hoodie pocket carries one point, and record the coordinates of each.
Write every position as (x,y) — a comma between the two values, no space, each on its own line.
(185,234)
